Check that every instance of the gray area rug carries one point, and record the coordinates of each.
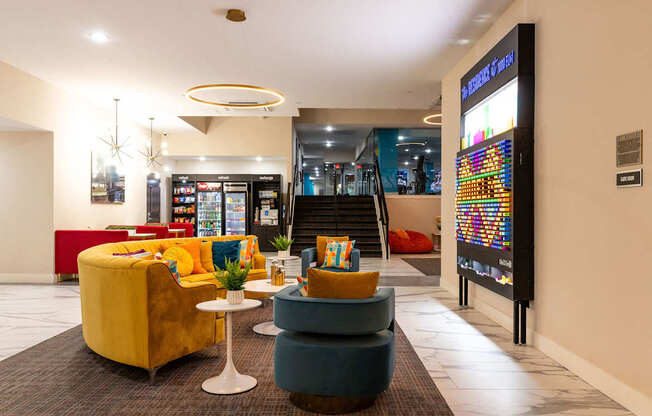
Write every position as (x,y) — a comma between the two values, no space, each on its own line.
(427,266)
(59,377)
(395,281)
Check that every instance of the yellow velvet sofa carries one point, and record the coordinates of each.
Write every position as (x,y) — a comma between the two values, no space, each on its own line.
(134,311)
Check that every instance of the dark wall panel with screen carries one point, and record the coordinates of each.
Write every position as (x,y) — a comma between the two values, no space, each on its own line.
(495,170)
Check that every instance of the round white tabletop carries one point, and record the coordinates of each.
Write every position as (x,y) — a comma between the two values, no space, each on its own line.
(265,286)
(229,381)
(284,258)
(222,305)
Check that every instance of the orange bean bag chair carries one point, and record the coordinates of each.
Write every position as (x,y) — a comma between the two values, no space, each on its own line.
(407,241)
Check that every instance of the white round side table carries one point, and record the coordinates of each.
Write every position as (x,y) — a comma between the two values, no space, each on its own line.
(229,381)
(265,286)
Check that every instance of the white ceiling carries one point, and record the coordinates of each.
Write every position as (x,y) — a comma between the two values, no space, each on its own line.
(319,53)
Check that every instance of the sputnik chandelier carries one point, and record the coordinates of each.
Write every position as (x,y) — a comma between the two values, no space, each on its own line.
(113,141)
(151,157)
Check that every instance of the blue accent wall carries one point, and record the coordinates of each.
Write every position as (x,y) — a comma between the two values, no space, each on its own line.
(388,158)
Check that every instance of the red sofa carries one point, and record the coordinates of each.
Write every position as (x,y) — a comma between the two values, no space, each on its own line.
(416,243)
(161,231)
(69,243)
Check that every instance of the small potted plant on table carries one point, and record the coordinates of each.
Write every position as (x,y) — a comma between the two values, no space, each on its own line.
(232,278)
(282,244)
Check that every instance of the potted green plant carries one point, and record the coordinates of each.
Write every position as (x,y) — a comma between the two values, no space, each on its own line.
(232,278)
(282,244)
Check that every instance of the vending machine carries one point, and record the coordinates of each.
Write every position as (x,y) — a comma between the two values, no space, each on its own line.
(209,209)
(235,209)
(183,199)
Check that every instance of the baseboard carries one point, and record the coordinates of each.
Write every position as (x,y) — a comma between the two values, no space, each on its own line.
(635,401)
(28,278)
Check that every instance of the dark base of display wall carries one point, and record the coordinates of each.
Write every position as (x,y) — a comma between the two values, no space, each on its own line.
(520,311)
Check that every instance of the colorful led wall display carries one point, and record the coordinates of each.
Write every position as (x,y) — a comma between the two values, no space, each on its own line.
(484,196)
(494,115)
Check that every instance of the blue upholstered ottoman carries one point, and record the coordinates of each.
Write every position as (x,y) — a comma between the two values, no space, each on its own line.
(334,355)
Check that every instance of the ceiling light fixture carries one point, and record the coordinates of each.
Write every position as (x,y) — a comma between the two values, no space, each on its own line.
(428,150)
(406,163)
(202,158)
(99,37)
(329,128)
(401,137)
(113,141)
(151,157)
(429,119)
(329,144)
(164,145)
(236,15)
(259,159)
(166,168)
(462,41)
(280,98)
(305,164)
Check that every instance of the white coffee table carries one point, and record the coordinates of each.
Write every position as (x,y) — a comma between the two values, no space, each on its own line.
(265,286)
(229,381)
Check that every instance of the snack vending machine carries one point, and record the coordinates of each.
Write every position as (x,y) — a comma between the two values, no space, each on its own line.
(183,199)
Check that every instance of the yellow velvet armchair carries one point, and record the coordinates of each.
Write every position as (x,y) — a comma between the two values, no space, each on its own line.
(134,311)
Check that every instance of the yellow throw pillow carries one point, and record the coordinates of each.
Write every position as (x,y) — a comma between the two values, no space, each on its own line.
(192,247)
(182,257)
(206,254)
(322,241)
(325,284)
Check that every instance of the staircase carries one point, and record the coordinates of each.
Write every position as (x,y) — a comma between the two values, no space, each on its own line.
(332,216)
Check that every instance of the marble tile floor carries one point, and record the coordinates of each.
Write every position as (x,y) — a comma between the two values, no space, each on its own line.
(471,359)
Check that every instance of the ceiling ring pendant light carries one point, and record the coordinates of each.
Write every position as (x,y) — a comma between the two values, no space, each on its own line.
(428,119)
(279,98)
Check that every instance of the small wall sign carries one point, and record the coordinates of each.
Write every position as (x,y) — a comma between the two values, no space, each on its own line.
(629,178)
(629,149)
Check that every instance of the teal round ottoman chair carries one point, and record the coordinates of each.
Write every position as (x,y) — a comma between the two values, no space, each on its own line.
(334,355)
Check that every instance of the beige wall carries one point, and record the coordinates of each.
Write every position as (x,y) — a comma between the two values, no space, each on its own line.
(238,137)
(592,268)
(75,124)
(413,212)
(374,117)
(27,195)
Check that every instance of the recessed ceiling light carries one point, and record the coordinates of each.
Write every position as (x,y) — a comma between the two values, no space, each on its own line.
(202,158)
(99,37)
(407,150)
(406,163)
(329,128)
(305,164)
(428,150)
(352,163)
(416,158)
(329,144)
(462,41)
(259,159)
(401,137)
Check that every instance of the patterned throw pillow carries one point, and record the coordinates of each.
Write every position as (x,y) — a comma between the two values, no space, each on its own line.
(338,254)
(172,265)
(182,257)
(303,285)
(247,249)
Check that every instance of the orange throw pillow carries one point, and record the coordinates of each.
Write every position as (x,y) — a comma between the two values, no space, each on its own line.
(402,234)
(322,241)
(206,253)
(325,284)
(194,248)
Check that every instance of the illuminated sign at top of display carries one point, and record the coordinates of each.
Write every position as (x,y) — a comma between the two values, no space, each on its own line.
(483,76)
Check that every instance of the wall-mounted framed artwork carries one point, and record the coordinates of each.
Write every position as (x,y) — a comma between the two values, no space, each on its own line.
(107,179)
